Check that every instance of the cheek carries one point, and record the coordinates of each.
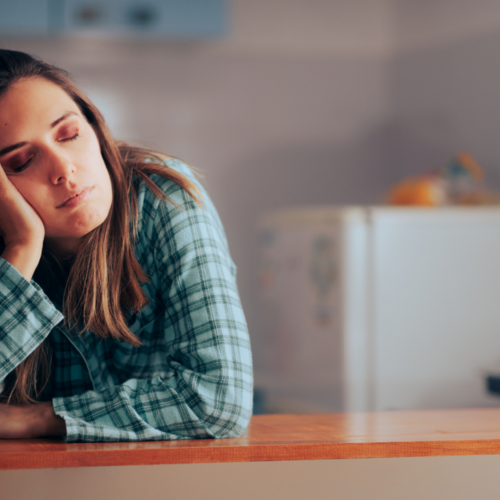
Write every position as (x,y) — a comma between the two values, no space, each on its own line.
(107,186)
(91,159)
(101,176)
(31,191)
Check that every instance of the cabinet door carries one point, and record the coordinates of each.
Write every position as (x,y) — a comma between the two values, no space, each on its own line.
(24,17)
(148,18)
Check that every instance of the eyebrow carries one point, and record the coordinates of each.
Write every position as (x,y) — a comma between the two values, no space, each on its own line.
(8,149)
(61,119)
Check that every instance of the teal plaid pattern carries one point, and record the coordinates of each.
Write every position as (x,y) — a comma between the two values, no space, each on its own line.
(192,375)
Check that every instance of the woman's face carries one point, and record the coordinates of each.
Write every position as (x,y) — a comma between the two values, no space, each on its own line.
(52,156)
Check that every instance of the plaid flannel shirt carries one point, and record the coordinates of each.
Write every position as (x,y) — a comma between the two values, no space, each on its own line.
(192,375)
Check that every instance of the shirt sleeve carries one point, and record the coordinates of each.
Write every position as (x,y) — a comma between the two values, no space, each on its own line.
(208,390)
(26,317)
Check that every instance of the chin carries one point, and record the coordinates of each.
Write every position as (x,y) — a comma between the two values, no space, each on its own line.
(73,237)
(85,222)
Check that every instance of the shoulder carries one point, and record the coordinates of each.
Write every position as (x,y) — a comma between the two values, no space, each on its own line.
(179,203)
(146,198)
(179,220)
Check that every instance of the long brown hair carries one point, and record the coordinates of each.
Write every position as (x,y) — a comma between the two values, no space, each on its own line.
(105,261)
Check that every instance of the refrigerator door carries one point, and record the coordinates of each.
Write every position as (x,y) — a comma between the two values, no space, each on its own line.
(434,305)
(301,289)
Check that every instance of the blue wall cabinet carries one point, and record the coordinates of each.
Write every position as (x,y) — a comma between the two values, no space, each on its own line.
(24,17)
(179,19)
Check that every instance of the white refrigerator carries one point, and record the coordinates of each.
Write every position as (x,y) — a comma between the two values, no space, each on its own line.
(378,308)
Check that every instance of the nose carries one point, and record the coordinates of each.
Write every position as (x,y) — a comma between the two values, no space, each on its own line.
(61,168)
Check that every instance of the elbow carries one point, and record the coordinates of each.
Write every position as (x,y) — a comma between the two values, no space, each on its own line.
(232,427)
(228,415)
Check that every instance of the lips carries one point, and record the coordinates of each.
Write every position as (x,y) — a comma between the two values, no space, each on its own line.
(77,198)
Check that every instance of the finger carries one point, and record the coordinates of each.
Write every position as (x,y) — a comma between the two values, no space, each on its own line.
(5,183)
(3,174)
(3,178)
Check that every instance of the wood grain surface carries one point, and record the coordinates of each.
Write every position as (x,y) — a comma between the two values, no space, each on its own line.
(283,438)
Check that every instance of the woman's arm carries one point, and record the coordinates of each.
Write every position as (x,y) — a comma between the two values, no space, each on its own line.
(30,421)
(203,387)
(26,318)
(26,315)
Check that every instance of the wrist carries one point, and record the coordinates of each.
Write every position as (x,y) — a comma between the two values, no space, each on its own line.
(24,257)
(46,422)
(32,246)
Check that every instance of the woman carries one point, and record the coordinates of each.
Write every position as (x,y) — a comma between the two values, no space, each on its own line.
(153,342)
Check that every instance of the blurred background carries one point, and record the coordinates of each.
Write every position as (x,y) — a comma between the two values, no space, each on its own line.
(301,103)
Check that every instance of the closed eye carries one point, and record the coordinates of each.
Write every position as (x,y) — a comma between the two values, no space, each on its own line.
(72,138)
(24,166)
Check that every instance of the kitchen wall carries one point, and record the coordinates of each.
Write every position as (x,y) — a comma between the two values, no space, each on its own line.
(304,102)
(445,83)
(291,108)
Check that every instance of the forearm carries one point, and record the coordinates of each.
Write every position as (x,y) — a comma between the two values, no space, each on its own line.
(45,422)
(26,317)
(30,421)
(24,258)
(187,405)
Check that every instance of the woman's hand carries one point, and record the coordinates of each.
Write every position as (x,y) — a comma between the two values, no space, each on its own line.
(21,229)
(30,421)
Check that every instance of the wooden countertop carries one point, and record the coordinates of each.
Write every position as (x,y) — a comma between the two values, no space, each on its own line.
(285,437)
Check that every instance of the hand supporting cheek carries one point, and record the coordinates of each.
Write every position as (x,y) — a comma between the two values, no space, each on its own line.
(21,229)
